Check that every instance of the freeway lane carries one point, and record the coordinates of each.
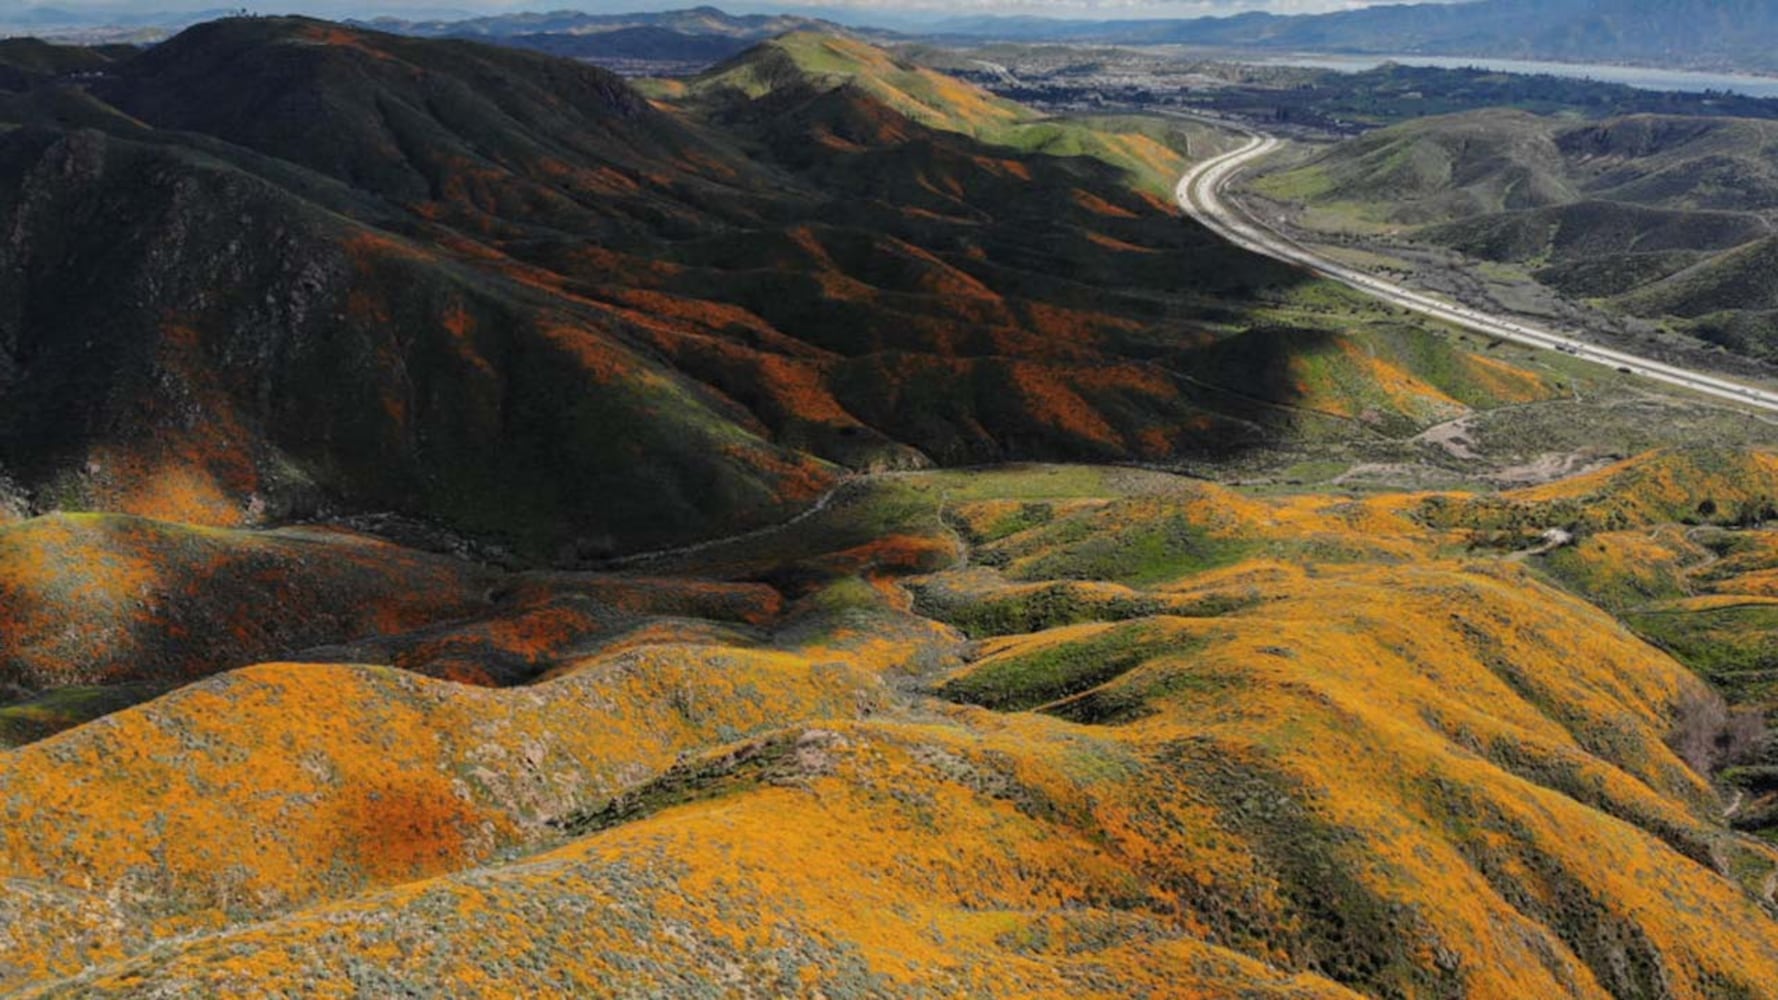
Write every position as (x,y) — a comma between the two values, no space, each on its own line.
(1200,195)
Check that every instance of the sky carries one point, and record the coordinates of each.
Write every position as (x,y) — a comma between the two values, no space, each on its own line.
(430,8)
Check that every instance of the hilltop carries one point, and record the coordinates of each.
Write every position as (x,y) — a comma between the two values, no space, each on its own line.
(822,61)
(1148,148)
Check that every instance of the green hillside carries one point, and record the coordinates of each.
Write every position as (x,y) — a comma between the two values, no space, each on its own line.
(1657,216)
(1151,149)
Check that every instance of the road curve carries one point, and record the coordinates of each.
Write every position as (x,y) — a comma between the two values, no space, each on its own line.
(1200,195)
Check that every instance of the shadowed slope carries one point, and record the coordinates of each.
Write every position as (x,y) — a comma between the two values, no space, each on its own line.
(102,611)
(90,599)
(549,321)
(24,61)
(482,136)
(505,294)
(359,365)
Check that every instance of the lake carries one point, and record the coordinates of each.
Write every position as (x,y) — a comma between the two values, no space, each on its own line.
(1633,76)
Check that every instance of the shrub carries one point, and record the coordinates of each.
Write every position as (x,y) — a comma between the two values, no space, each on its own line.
(1709,735)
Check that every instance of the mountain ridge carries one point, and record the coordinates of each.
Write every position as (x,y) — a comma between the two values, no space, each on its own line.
(506,229)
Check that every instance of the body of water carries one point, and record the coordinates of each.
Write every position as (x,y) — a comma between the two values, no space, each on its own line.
(1633,76)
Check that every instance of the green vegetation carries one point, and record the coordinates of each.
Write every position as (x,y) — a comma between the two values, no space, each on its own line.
(1735,647)
(1150,149)
(49,712)
(1136,555)
(1029,482)
(1023,680)
(1663,218)
(810,59)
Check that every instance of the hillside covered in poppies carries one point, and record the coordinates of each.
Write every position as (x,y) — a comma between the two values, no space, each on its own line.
(473,526)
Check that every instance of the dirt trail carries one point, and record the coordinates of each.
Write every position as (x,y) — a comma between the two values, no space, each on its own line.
(956,536)
(1452,436)
(821,503)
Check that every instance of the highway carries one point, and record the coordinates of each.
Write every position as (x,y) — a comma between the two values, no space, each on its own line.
(1200,195)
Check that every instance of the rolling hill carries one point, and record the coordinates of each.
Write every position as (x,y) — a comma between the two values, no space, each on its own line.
(1282,746)
(1460,166)
(639,44)
(1653,215)
(813,59)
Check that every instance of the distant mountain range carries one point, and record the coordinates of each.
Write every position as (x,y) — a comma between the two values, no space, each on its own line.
(698,35)
(691,21)
(1714,33)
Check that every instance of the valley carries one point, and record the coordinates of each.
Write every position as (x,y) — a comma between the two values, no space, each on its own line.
(1200,193)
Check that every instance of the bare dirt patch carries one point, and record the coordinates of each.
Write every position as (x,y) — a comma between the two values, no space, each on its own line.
(1548,468)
